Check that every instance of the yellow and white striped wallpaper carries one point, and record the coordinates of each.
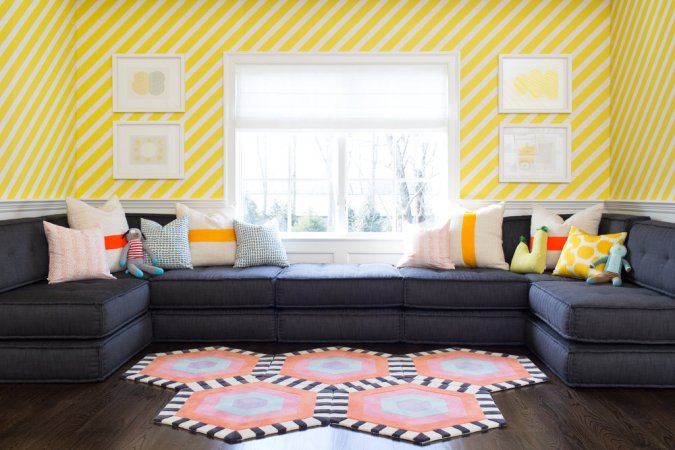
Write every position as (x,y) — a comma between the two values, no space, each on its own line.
(643,64)
(37,99)
(479,29)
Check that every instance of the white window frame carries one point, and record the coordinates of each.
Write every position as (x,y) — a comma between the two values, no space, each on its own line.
(231,161)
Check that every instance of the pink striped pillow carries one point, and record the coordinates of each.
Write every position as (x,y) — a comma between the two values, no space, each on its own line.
(75,254)
(427,247)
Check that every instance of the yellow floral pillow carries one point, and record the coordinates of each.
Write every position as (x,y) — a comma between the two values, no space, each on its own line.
(581,249)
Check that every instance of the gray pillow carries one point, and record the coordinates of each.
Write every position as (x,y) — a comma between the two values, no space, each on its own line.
(169,243)
(258,245)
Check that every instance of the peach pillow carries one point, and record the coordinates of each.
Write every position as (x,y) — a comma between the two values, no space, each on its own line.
(75,254)
(427,247)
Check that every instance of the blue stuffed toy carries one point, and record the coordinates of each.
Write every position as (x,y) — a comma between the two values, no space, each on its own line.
(613,264)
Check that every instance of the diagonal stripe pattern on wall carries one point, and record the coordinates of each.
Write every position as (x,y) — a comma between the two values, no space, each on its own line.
(37,99)
(479,29)
(643,131)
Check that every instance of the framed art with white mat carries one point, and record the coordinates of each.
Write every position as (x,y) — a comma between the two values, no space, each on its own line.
(535,153)
(148,83)
(535,84)
(147,150)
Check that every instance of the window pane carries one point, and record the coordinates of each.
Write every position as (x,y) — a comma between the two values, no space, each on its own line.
(264,201)
(264,155)
(370,156)
(313,156)
(371,206)
(312,210)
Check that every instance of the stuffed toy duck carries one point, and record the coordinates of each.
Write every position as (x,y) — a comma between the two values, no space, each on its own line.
(613,264)
(524,261)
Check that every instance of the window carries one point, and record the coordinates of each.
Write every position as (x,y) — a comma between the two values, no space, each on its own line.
(340,143)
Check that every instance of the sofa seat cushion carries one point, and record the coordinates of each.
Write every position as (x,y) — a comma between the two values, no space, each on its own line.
(464,289)
(74,310)
(339,286)
(547,276)
(214,288)
(604,313)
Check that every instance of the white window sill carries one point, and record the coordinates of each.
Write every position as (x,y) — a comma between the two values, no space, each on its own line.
(326,237)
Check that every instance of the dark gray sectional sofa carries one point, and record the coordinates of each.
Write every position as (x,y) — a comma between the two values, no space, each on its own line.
(588,335)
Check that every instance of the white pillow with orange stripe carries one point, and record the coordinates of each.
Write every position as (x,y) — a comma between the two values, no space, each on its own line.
(211,236)
(110,217)
(476,237)
(587,220)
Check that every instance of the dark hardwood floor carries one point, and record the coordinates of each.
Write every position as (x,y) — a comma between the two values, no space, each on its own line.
(117,414)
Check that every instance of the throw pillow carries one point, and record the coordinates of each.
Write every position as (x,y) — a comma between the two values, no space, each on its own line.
(169,243)
(212,240)
(426,247)
(558,229)
(259,245)
(75,254)
(476,237)
(581,249)
(110,217)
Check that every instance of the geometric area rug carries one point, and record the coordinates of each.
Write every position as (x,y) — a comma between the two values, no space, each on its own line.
(234,395)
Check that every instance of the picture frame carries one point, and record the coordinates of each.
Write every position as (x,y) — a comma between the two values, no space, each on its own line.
(539,153)
(148,83)
(535,84)
(147,150)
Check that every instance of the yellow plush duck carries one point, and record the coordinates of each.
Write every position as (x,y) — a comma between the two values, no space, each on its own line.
(525,261)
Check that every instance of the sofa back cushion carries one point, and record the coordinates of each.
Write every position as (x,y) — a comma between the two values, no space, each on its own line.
(25,255)
(651,252)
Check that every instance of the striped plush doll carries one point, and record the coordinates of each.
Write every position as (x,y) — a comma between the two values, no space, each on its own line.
(132,255)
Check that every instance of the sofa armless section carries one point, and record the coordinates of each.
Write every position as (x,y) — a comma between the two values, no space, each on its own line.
(339,286)
(470,289)
(72,361)
(221,287)
(88,309)
(601,365)
(604,313)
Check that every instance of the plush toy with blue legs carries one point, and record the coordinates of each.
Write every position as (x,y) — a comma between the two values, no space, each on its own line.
(132,255)
(613,264)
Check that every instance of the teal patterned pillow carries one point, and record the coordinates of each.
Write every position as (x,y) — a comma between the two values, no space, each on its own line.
(169,243)
(258,245)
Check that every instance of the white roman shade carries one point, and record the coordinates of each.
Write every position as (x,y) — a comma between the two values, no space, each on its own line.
(341,96)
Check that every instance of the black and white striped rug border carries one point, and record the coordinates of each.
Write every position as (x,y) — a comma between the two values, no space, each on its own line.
(321,415)
(133,374)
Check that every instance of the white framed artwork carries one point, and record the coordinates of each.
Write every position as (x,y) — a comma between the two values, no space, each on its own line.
(535,83)
(148,83)
(535,153)
(147,150)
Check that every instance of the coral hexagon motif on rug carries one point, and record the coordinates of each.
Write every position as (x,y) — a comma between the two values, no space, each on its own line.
(493,371)
(240,408)
(334,365)
(175,369)
(421,410)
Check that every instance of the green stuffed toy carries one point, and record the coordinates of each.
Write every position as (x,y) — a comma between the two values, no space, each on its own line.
(524,261)
(613,264)
(132,255)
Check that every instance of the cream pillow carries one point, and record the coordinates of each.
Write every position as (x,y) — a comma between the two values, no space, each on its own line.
(558,229)
(582,249)
(110,217)
(426,247)
(211,236)
(75,254)
(476,237)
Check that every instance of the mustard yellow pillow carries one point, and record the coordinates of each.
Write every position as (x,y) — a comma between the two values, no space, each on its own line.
(581,249)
